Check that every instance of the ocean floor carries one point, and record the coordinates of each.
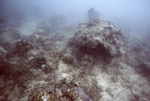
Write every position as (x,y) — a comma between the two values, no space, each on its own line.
(47,66)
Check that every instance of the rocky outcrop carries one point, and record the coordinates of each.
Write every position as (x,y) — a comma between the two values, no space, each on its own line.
(100,36)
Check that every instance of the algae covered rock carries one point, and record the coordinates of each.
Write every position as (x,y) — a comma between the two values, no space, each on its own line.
(99,36)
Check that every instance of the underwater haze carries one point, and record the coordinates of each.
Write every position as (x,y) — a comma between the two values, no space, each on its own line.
(132,16)
(74,50)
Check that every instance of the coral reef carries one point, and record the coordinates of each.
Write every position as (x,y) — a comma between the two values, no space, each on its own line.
(100,37)
(61,66)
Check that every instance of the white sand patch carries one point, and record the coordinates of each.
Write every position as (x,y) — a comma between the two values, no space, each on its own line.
(126,83)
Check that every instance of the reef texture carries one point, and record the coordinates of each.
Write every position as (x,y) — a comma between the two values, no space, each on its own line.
(100,35)
(61,66)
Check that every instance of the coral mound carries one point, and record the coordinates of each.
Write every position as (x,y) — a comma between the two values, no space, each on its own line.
(100,35)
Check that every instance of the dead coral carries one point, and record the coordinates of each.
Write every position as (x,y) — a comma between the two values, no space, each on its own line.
(100,37)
